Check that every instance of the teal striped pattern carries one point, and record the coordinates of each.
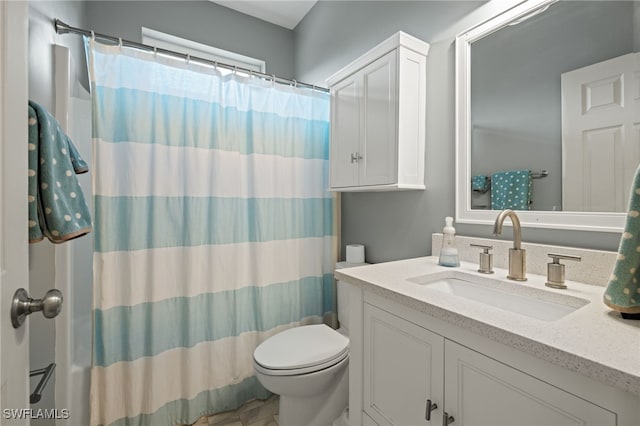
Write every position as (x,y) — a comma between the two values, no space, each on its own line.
(200,124)
(187,321)
(190,342)
(136,223)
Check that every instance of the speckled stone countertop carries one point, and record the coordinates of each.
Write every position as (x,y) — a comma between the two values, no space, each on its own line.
(593,340)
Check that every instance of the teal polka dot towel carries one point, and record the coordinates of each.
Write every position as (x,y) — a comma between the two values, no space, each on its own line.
(511,190)
(480,183)
(623,291)
(57,208)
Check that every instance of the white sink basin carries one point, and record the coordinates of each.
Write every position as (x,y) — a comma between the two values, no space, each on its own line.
(513,297)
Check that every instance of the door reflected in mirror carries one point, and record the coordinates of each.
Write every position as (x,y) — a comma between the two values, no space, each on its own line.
(554,103)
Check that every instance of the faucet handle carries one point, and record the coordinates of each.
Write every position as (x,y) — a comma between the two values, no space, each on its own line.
(555,270)
(485,264)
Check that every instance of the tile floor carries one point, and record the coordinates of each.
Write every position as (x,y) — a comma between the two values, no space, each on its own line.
(253,413)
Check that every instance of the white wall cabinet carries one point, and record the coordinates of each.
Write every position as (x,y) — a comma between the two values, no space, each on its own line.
(378,118)
(405,367)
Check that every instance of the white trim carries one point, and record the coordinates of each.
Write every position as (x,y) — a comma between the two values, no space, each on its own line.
(62,252)
(14,254)
(582,221)
(204,51)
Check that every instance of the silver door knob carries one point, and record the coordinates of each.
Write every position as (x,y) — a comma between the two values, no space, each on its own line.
(23,305)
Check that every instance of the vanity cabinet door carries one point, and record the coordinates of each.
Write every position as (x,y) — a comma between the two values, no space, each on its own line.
(482,391)
(403,368)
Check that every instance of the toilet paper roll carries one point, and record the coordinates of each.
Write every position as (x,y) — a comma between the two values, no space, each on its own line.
(355,253)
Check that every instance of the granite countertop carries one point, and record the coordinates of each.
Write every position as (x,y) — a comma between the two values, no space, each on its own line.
(593,340)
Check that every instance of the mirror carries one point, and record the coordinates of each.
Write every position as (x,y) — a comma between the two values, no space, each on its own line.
(548,113)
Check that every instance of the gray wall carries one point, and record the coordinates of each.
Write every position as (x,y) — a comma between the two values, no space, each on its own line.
(200,21)
(399,224)
(334,33)
(42,37)
(516,92)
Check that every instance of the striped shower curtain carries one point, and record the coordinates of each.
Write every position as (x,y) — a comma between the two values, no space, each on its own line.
(213,231)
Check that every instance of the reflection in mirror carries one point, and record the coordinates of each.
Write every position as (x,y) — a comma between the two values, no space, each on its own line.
(554,109)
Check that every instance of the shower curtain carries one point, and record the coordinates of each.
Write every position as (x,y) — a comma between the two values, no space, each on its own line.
(213,231)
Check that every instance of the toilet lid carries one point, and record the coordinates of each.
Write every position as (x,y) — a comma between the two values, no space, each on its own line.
(301,347)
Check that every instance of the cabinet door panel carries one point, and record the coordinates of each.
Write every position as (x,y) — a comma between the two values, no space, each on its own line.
(482,391)
(379,108)
(345,132)
(402,369)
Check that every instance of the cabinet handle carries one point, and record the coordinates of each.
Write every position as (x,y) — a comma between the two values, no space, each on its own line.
(447,419)
(430,407)
(355,157)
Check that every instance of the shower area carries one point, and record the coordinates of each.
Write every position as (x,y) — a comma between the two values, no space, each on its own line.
(265,252)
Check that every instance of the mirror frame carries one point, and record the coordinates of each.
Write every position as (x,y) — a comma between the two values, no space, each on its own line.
(583,221)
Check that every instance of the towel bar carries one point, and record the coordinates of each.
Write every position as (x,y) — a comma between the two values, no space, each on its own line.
(542,174)
(46,375)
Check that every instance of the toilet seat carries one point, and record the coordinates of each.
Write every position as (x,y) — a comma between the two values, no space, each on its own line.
(301,350)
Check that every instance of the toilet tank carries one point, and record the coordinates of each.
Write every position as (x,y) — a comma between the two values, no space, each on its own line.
(343,299)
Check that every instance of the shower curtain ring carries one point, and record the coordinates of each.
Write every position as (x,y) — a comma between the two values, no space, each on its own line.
(235,69)
(93,35)
(273,80)
(188,59)
(119,41)
(155,51)
(295,84)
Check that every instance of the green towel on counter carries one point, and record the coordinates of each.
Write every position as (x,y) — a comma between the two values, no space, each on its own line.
(623,291)
(511,190)
(57,208)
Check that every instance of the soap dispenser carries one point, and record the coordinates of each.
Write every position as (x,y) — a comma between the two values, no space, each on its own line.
(449,252)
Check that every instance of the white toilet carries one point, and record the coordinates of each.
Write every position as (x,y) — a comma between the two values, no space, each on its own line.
(308,367)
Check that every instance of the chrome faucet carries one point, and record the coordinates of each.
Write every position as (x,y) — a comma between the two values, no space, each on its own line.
(517,256)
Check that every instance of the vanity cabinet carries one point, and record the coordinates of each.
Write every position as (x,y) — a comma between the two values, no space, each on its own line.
(405,365)
(378,118)
(403,368)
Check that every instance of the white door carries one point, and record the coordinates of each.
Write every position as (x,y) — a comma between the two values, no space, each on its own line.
(14,343)
(402,370)
(345,132)
(600,134)
(483,391)
(379,145)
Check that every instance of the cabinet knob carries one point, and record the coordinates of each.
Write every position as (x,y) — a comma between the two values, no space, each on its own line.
(430,407)
(355,157)
(447,419)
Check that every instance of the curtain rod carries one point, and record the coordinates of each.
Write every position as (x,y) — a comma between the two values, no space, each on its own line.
(63,28)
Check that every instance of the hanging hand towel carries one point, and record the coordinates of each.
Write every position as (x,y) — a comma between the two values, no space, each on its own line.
(480,183)
(511,190)
(57,208)
(623,291)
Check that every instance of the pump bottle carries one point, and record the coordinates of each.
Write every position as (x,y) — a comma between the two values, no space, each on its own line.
(449,252)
